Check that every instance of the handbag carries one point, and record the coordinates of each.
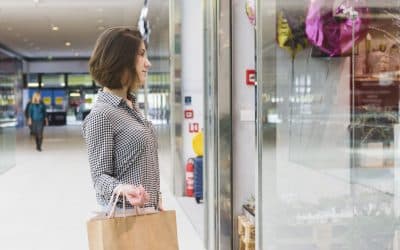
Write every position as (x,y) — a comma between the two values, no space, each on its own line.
(154,231)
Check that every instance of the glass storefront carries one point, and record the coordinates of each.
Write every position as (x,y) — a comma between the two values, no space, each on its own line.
(327,116)
(10,108)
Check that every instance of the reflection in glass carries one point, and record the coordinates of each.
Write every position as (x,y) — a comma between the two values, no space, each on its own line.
(329,125)
(11,114)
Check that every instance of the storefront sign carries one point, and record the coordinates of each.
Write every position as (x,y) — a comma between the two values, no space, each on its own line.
(193,127)
(250,77)
(47,100)
(188,114)
(59,100)
(188,100)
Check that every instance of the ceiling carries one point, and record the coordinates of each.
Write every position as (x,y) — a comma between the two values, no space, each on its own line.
(26,26)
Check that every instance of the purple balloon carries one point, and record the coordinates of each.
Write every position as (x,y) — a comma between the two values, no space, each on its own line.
(332,34)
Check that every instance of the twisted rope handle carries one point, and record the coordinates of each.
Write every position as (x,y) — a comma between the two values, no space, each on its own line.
(114,200)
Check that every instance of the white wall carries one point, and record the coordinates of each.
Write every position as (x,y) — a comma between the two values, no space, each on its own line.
(72,66)
(243,103)
(192,70)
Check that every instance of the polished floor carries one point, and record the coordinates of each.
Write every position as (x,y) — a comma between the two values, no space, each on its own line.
(48,196)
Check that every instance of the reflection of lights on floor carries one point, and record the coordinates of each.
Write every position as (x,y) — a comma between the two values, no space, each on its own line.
(274,118)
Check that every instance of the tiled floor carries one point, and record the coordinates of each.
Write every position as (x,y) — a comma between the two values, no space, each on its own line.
(47,198)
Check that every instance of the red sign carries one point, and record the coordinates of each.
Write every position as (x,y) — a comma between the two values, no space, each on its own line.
(188,114)
(250,77)
(193,127)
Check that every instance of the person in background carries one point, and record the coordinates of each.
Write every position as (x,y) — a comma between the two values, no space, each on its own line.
(37,118)
(121,144)
(27,117)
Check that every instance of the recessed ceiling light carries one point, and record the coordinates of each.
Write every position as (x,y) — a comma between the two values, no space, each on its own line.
(54,28)
(36,1)
(67,44)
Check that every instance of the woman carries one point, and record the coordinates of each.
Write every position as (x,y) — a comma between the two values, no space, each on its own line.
(122,144)
(37,118)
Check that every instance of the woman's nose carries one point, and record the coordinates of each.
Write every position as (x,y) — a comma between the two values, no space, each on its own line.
(148,63)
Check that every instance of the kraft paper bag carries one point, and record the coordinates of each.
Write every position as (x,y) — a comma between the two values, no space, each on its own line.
(156,231)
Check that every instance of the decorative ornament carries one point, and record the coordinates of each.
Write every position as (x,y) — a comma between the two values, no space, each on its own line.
(251,11)
(291,32)
(332,31)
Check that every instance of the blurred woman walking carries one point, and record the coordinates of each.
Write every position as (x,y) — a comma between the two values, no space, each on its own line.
(37,118)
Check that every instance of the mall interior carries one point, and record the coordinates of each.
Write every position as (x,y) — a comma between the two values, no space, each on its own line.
(300,156)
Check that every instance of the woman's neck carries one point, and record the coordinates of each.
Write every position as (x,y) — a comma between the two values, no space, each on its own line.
(123,92)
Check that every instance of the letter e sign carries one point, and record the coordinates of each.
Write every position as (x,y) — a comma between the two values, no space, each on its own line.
(188,114)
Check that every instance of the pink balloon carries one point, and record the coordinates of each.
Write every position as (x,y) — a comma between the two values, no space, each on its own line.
(332,34)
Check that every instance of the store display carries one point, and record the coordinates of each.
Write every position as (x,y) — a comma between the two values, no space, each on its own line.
(251,11)
(291,32)
(333,32)
(247,245)
(250,207)
(7,98)
(375,94)
(246,232)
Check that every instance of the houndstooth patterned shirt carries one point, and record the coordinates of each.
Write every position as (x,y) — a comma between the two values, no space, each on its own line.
(122,148)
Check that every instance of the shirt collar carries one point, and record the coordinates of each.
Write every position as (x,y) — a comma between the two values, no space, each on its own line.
(114,100)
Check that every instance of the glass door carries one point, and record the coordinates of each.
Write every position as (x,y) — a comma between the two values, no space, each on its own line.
(327,118)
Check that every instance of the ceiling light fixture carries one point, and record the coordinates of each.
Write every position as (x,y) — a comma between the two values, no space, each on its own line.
(54,28)
(36,1)
(67,44)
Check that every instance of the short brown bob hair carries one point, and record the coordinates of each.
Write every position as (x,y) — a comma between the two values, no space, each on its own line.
(115,51)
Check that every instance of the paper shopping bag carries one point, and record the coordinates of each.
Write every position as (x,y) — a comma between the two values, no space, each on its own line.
(140,232)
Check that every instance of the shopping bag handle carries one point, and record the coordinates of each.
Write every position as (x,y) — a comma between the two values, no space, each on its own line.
(114,200)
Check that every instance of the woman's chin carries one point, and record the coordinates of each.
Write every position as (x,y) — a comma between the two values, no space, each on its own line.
(142,83)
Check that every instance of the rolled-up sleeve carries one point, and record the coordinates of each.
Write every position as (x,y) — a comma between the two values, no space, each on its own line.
(98,134)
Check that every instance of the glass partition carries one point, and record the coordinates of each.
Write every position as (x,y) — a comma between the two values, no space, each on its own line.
(10,108)
(327,121)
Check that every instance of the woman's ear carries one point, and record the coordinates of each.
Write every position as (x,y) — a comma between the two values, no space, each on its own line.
(125,77)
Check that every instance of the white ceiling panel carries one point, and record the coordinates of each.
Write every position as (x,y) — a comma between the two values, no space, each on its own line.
(26,26)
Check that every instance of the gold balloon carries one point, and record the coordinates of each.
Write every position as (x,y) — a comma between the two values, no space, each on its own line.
(286,39)
(198,145)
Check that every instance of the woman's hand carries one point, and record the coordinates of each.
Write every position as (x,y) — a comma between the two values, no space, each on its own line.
(136,196)
(29,121)
(160,205)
